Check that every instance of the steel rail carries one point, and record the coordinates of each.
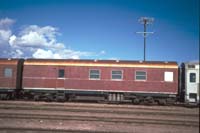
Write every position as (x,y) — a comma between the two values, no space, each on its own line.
(190,123)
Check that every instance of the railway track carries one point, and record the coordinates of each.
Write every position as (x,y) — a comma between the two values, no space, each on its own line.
(100,119)
(125,116)
(102,111)
(99,105)
(120,109)
(40,130)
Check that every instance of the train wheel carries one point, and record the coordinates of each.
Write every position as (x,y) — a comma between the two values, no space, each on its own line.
(2,96)
(149,100)
(136,101)
(162,102)
(36,98)
(49,98)
(170,101)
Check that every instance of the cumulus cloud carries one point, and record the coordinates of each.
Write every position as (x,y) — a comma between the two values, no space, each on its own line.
(35,36)
(34,41)
(60,54)
(5,31)
(4,35)
(42,42)
(6,23)
(40,53)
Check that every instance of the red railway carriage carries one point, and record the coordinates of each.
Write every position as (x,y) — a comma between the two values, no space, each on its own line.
(10,77)
(114,80)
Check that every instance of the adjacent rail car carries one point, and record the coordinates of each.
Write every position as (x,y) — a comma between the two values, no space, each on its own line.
(149,81)
(190,82)
(10,77)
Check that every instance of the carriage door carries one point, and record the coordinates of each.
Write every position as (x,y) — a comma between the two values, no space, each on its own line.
(60,82)
(192,85)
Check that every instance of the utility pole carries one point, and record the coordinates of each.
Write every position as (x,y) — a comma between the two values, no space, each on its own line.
(145,21)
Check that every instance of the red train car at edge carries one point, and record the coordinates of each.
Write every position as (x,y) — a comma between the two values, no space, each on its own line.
(10,77)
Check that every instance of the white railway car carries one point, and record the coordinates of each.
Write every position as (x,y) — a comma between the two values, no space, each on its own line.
(190,82)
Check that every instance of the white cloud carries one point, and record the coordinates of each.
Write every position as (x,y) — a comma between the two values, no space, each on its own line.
(103,52)
(60,54)
(42,42)
(5,31)
(16,53)
(12,40)
(4,35)
(113,58)
(6,23)
(33,41)
(35,36)
(40,53)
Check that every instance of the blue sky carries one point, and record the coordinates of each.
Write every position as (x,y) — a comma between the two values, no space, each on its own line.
(99,29)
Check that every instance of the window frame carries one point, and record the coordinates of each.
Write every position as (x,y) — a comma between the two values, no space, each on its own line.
(96,74)
(141,75)
(191,79)
(117,74)
(61,76)
(165,76)
(8,72)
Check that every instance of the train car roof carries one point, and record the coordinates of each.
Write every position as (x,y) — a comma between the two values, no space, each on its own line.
(6,61)
(192,63)
(101,63)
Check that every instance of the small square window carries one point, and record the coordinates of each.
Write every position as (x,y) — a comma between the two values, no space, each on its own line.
(7,72)
(61,73)
(193,95)
(116,75)
(192,77)
(191,66)
(140,75)
(168,77)
(94,74)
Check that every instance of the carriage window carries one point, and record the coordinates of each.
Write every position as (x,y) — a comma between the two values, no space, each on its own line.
(193,95)
(168,77)
(7,72)
(61,73)
(140,75)
(191,66)
(192,77)
(94,74)
(117,75)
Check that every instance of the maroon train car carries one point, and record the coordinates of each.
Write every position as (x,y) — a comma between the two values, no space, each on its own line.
(10,77)
(109,79)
